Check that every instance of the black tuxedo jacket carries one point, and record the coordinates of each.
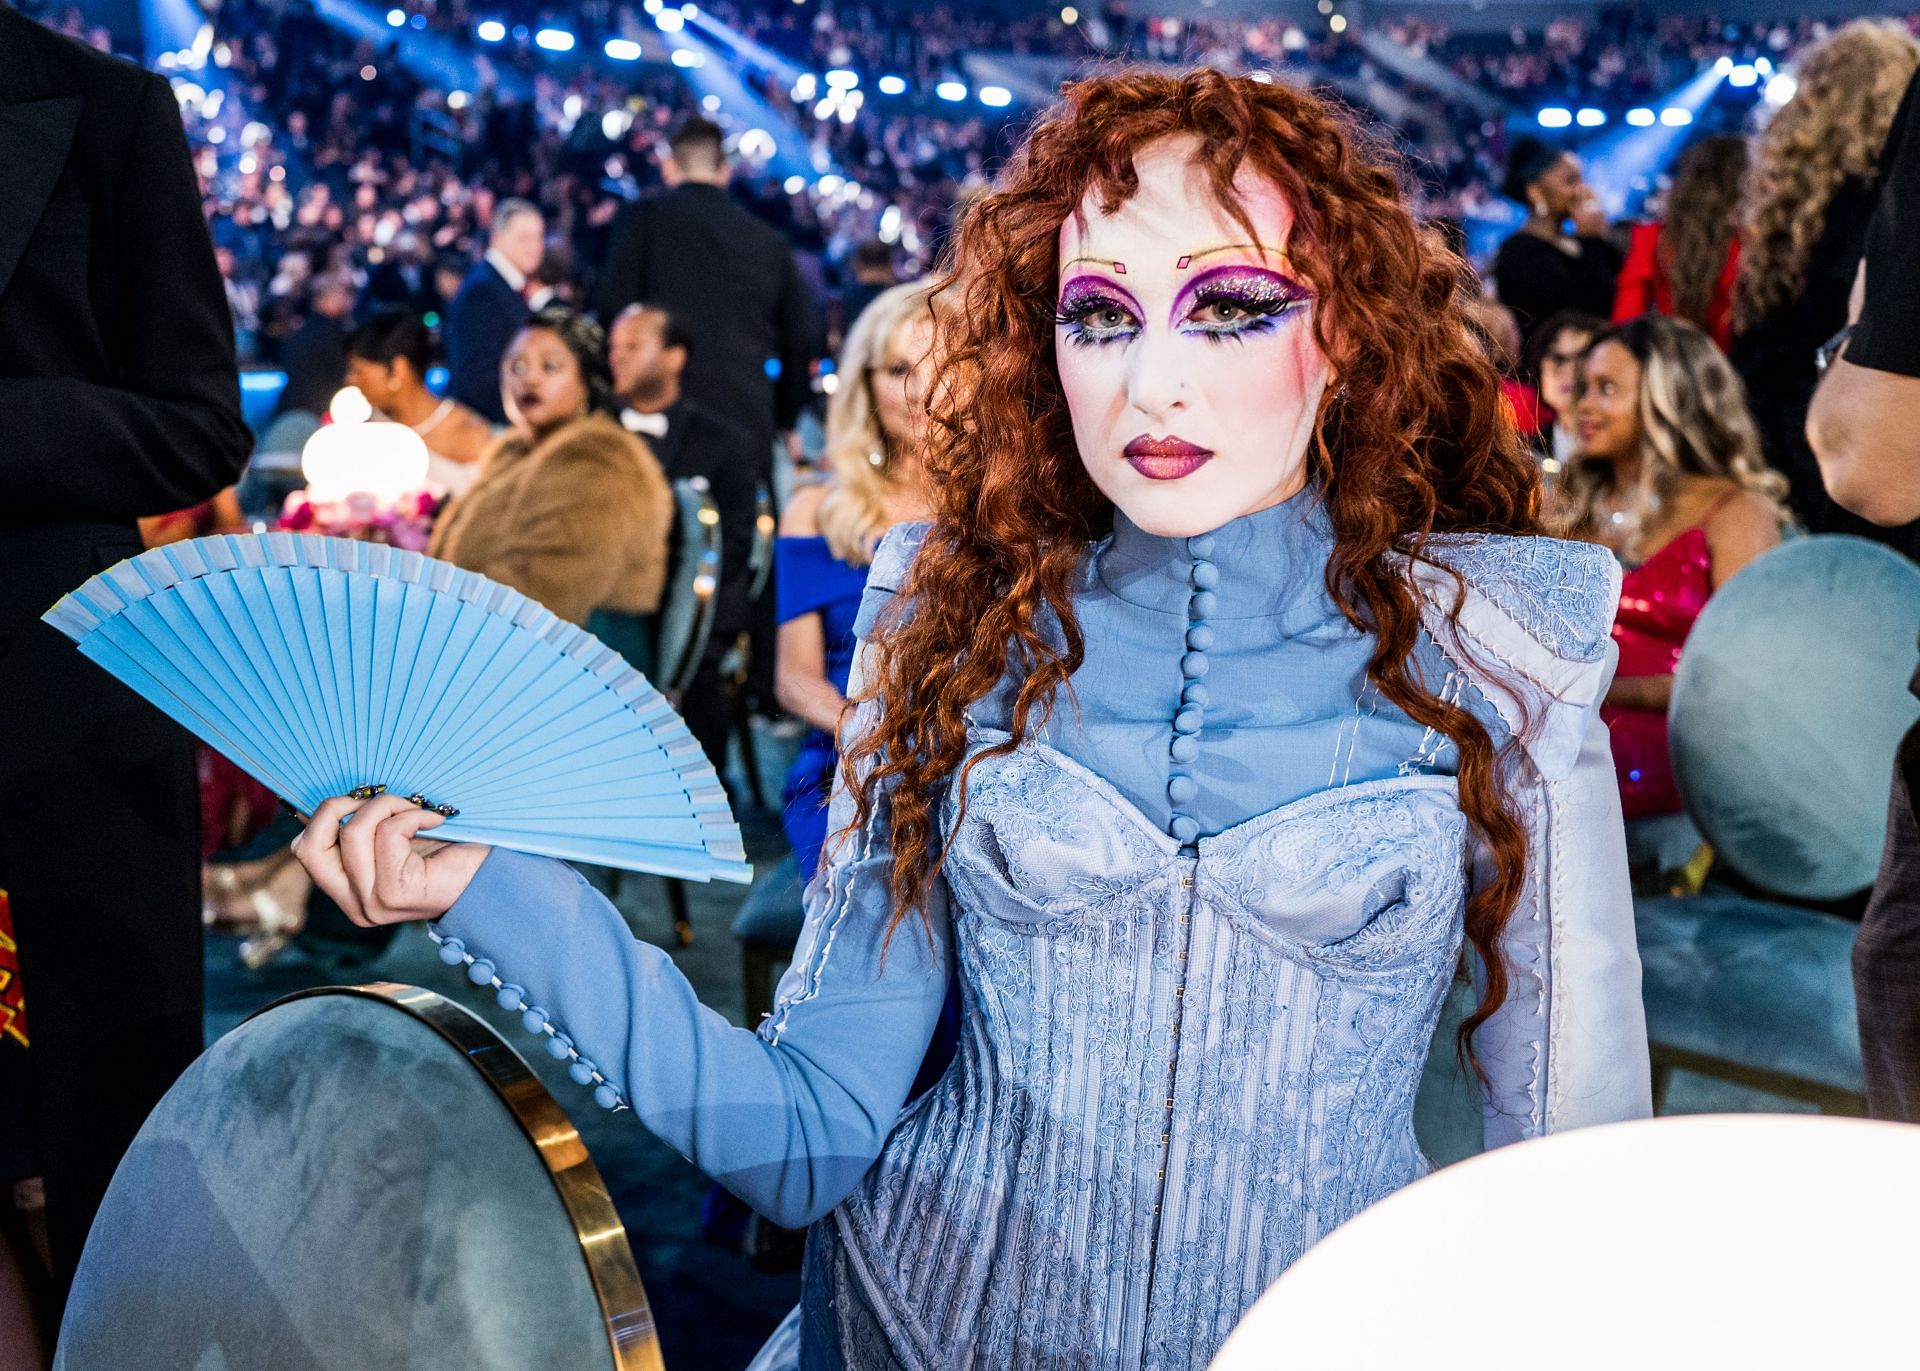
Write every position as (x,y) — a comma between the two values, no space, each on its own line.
(481,322)
(118,398)
(731,280)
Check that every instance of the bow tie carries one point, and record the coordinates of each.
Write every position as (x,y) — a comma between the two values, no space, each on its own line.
(653,425)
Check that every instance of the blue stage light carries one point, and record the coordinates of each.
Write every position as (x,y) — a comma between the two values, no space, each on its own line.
(688,57)
(842,79)
(1641,118)
(670,21)
(1676,118)
(892,85)
(951,90)
(1723,66)
(554,40)
(491,31)
(397,18)
(997,96)
(419,21)
(623,50)
(1742,76)
(1590,118)
(1555,117)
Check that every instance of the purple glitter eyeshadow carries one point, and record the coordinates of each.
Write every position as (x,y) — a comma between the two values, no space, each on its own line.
(1265,292)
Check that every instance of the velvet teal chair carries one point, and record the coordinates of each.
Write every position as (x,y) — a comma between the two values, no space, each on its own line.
(361,1179)
(1790,697)
(767,927)
(667,647)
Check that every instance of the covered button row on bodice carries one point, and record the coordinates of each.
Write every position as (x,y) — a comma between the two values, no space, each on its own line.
(1203,576)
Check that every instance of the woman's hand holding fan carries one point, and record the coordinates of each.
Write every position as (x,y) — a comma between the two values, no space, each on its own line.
(367,855)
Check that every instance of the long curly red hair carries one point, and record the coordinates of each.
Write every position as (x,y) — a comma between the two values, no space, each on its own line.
(1412,439)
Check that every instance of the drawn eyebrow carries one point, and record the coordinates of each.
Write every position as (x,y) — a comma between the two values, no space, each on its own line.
(1186,259)
(1232,247)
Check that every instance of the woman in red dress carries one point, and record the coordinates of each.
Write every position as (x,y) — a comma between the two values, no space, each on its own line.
(1667,474)
(1687,264)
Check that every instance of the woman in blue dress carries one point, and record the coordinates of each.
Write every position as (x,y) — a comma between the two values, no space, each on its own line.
(828,533)
(1227,696)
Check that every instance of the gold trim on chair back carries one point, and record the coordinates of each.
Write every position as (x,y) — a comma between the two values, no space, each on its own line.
(692,588)
(603,1239)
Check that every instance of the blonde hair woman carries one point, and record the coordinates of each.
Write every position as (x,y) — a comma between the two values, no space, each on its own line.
(1668,474)
(1811,189)
(828,533)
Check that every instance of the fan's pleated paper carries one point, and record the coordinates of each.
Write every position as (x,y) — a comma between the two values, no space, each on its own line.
(319,665)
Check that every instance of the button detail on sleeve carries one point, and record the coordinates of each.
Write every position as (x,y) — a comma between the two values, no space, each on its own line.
(513,998)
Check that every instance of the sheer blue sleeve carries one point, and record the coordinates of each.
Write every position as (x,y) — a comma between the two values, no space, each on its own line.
(788,1117)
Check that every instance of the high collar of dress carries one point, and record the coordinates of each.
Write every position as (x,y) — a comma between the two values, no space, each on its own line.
(1269,564)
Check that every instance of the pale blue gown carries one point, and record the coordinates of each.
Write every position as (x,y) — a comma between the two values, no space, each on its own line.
(1202,926)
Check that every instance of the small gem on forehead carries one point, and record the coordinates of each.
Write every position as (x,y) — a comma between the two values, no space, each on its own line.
(1119,268)
(1182,263)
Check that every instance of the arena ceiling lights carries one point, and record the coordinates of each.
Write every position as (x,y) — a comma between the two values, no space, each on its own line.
(842,84)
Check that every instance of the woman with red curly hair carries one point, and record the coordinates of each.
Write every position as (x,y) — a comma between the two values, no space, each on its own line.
(1227,694)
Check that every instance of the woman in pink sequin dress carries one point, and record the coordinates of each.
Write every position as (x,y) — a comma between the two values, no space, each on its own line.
(1668,474)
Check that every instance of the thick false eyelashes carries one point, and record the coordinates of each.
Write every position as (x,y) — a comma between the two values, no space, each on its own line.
(1262,308)
(1263,313)
(1075,313)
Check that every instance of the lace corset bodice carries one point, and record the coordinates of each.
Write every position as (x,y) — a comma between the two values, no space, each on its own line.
(1220,1047)
(1202,924)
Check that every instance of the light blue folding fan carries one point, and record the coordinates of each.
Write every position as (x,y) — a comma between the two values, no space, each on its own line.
(322,666)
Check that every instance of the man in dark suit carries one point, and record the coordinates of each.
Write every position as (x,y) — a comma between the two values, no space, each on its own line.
(650,350)
(492,306)
(726,276)
(731,280)
(119,398)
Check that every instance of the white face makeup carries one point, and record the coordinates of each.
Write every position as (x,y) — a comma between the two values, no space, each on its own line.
(1186,351)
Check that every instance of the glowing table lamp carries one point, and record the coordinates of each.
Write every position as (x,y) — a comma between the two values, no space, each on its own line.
(354,456)
(1749,1240)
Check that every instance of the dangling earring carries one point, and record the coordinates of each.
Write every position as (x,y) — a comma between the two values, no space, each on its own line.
(1539,204)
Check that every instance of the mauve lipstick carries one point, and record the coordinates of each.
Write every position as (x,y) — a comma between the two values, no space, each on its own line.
(1166,459)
